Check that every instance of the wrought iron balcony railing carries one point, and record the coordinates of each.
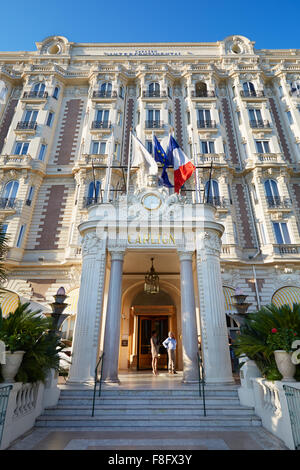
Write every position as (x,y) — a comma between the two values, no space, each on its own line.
(35,94)
(154,94)
(216,201)
(259,124)
(278,202)
(207,124)
(8,203)
(203,94)
(101,125)
(252,94)
(154,125)
(27,125)
(104,94)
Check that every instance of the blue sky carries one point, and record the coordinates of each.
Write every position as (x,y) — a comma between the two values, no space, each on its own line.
(271,24)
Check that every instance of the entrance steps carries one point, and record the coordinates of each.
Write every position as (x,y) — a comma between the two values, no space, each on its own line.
(154,409)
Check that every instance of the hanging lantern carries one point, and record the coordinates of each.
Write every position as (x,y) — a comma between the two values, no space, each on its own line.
(151,285)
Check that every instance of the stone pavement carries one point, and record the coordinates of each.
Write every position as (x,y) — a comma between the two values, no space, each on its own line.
(255,438)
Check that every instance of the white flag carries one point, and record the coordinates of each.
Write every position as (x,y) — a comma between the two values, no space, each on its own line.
(141,155)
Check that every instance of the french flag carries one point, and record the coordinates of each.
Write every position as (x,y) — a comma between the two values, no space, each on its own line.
(183,167)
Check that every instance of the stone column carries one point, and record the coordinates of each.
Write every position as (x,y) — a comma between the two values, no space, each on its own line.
(87,328)
(214,333)
(188,319)
(113,319)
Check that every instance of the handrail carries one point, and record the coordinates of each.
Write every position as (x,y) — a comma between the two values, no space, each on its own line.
(100,361)
(201,381)
(4,396)
(293,400)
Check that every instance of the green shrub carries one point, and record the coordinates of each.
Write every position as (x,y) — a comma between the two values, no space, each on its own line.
(254,336)
(31,332)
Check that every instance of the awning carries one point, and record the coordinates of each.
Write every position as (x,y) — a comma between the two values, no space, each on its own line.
(286,295)
(228,300)
(72,301)
(8,301)
(35,306)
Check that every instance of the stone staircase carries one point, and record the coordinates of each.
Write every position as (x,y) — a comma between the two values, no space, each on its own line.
(148,410)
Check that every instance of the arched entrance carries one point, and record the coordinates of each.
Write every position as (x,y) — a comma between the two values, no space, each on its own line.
(148,313)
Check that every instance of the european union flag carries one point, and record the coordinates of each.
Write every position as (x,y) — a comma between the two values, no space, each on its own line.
(160,156)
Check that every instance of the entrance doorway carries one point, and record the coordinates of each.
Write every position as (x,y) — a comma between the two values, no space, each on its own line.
(145,327)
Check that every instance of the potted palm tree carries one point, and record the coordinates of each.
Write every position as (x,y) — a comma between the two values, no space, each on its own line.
(280,340)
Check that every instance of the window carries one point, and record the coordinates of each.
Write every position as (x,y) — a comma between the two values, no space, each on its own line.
(138,117)
(249,89)
(21,148)
(10,190)
(39,89)
(105,89)
(272,193)
(153,115)
(169,92)
(281,233)
(154,89)
(98,148)
(4,229)
(102,115)
(204,117)
(170,118)
(211,192)
(121,93)
(120,119)
(289,116)
(295,88)
(207,146)
(235,233)
(149,146)
(93,191)
(280,91)
(255,117)
(229,193)
(30,196)
(239,117)
(188,114)
(30,115)
(42,152)
(50,119)
(21,235)
(200,89)
(233,91)
(56,92)
(262,146)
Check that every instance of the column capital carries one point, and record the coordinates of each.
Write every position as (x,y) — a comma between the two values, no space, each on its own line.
(117,254)
(92,244)
(185,255)
(209,243)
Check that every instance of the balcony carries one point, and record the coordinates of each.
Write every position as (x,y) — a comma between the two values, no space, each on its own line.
(89,201)
(29,127)
(207,124)
(217,201)
(154,94)
(101,125)
(8,203)
(260,124)
(158,125)
(104,95)
(286,249)
(252,94)
(208,158)
(203,94)
(278,202)
(35,96)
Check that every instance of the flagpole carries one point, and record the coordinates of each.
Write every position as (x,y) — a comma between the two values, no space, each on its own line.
(194,152)
(108,172)
(129,161)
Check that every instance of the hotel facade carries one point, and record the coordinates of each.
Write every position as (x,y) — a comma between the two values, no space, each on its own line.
(77,218)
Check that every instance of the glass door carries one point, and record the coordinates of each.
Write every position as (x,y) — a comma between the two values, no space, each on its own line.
(146,325)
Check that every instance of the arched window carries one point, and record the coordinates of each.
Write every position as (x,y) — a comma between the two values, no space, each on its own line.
(200,89)
(10,193)
(154,89)
(105,89)
(93,192)
(249,89)
(272,193)
(56,92)
(38,89)
(212,193)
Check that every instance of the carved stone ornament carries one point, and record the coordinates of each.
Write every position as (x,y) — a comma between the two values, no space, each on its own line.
(209,243)
(92,244)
